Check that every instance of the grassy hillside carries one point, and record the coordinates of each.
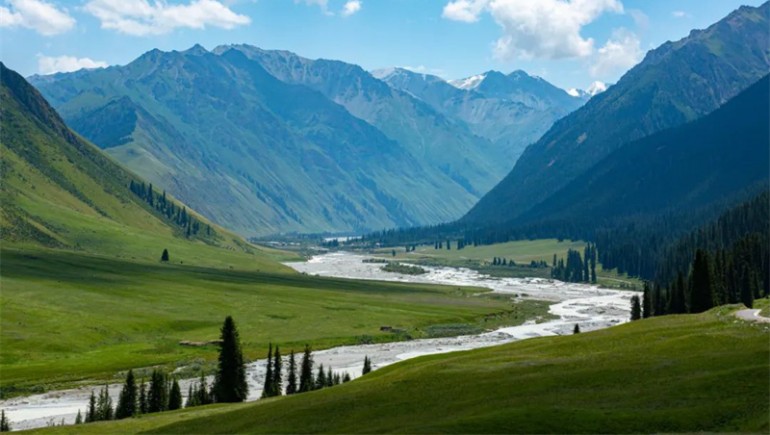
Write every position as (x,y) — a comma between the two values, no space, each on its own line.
(687,373)
(59,191)
(70,317)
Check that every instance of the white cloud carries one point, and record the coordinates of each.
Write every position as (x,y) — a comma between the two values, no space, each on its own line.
(547,29)
(50,65)
(464,10)
(422,69)
(323,4)
(351,7)
(142,17)
(641,19)
(41,16)
(621,52)
(680,14)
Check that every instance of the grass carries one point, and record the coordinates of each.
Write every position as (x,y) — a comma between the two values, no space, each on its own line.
(523,252)
(686,373)
(764,305)
(68,318)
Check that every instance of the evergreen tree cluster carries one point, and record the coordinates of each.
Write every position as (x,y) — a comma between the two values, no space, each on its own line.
(199,394)
(497,261)
(297,382)
(577,268)
(179,216)
(5,425)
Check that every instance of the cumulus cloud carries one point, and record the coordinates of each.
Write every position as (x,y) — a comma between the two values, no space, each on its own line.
(50,65)
(548,29)
(38,15)
(351,7)
(622,51)
(142,17)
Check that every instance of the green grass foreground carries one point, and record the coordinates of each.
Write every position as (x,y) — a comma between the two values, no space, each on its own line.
(68,317)
(686,373)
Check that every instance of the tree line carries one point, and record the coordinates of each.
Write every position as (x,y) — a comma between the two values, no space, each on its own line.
(189,224)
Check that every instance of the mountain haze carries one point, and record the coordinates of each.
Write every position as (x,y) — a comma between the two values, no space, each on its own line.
(512,111)
(261,155)
(675,83)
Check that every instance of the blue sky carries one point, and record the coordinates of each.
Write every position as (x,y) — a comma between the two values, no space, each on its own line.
(569,42)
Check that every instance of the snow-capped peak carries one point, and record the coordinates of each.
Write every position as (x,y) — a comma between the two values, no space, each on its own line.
(596,87)
(468,82)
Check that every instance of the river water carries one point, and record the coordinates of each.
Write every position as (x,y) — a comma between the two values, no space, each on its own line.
(589,306)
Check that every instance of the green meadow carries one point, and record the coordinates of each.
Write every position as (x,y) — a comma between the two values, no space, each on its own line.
(684,373)
(69,318)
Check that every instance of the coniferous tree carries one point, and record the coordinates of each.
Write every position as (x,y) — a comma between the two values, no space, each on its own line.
(702,292)
(291,387)
(164,255)
(346,378)
(203,394)
(646,301)
(175,396)
(127,401)
(104,409)
(320,378)
(5,425)
(157,396)
(230,384)
(277,383)
(79,418)
(677,302)
(91,412)
(367,365)
(330,378)
(747,290)
(143,406)
(576,330)
(636,309)
(267,388)
(306,371)
(190,397)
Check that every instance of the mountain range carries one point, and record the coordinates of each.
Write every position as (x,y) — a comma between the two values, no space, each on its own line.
(676,83)
(267,141)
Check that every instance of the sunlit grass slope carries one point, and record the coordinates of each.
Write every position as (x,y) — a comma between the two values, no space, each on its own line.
(688,373)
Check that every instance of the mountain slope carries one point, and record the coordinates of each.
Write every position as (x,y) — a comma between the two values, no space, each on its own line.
(60,191)
(686,167)
(252,152)
(677,82)
(512,111)
(430,136)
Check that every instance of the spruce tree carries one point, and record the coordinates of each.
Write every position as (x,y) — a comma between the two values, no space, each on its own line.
(5,425)
(702,292)
(277,382)
(104,409)
(175,396)
(230,384)
(320,379)
(164,255)
(576,330)
(367,365)
(267,388)
(330,377)
(157,396)
(79,418)
(204,395)
(190,397)
(636,309)
(91,412)
(346,378)
(143,398)
(291,387)
(306,371)
(646,301)
(127,402)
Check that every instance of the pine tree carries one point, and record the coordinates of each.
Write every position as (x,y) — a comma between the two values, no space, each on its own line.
(291,387)
(320,379)
(164,255)
(127,400)
(267,388)
(646,301)
(306,371)
(346,378)
(204,395)
(330,378)
(367,365)
(79,418)
(104,409)
(175,396)
(636,309)
(277,383)
(91,412)
(190,397)
(702,292)
(157,396)
(576,330)
(5,425)
(748,289)
(230,384)
(143,398)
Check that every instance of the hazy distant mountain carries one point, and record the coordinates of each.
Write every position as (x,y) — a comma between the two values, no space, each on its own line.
(512,111)
(675,83)
(431,137)
(710,159)
(260,155)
